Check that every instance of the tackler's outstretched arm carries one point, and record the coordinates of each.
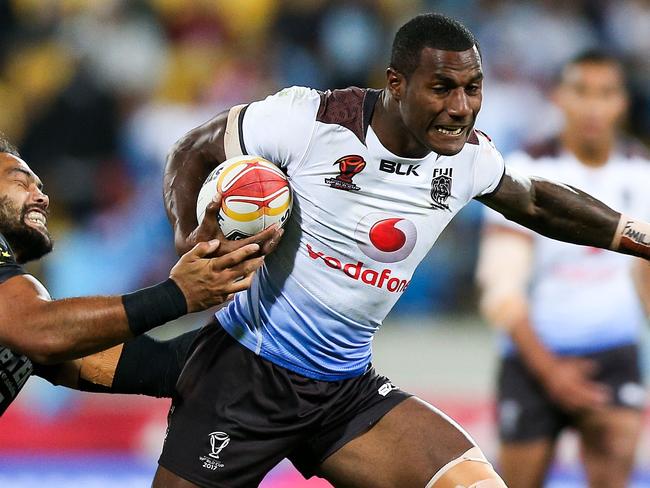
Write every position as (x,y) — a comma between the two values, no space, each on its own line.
(50,331)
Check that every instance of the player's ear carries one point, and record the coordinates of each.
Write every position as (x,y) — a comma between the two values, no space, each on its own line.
(396,82)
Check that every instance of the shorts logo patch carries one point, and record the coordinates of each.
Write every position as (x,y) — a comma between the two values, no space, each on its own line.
(386,388)
(218,441)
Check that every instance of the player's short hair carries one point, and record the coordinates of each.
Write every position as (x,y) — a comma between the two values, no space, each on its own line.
(435,31)
(7,147)
(596,56)
(592,56)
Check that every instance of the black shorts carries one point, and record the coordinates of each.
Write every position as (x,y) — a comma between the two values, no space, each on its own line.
(236,415)
(526,413)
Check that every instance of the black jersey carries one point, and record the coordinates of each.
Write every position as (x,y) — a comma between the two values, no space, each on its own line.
(14,368)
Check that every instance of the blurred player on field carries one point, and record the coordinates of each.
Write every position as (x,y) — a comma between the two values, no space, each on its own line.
(572,314)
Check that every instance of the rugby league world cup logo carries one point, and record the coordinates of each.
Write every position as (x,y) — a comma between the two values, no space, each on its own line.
(349,166)
(218,441)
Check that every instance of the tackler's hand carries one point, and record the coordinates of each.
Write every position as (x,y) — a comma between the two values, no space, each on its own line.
(206,281)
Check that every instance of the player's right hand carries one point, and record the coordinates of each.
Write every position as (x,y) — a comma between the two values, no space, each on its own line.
(209,229)
(569,384)
(208,281)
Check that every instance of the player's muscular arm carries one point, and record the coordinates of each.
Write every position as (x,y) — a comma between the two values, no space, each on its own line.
(567,214)
(189,163)
(53,331)
(42,329)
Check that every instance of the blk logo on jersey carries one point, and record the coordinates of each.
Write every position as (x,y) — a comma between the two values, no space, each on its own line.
(386,238)
(441,187)
(398,168)
(349,166)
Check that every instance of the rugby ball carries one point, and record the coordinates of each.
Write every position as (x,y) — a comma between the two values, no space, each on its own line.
(255,195)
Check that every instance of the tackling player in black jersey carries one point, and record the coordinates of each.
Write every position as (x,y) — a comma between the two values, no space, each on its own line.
(36,329)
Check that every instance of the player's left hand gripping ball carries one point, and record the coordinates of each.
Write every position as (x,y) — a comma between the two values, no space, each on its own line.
(255,194)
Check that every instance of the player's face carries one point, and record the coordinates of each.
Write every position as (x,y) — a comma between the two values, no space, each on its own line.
(439,102)
(23,209)
(593,99)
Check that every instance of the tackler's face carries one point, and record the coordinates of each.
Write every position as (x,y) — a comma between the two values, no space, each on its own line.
(23,209)
(440,100)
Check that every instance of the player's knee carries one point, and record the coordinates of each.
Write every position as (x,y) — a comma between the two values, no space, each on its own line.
(613,452)
(470,470)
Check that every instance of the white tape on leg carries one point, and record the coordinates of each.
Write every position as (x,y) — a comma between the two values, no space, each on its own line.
(473,454)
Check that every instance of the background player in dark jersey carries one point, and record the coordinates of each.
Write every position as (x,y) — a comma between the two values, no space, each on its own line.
(430,103)
(572,314)
(34,327)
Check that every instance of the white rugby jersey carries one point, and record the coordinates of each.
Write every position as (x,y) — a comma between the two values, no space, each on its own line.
(583,299)
(362,220)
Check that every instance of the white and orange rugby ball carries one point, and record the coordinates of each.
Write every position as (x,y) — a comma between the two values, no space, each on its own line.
(255,195)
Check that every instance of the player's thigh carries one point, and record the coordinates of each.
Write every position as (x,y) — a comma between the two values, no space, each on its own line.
(525,464)
(406,448)
(166,479)
(609,439)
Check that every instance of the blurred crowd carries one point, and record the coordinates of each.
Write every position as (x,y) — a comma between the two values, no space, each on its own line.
(94,92)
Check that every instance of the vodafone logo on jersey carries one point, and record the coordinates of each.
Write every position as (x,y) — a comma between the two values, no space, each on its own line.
(386,238)
(359,272)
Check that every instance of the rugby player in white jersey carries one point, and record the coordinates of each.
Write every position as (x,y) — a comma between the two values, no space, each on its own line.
(377,174)
(572,313)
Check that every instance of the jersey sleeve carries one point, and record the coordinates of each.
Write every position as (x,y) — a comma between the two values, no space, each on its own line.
(8,265)
(279,128)
(489,167)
